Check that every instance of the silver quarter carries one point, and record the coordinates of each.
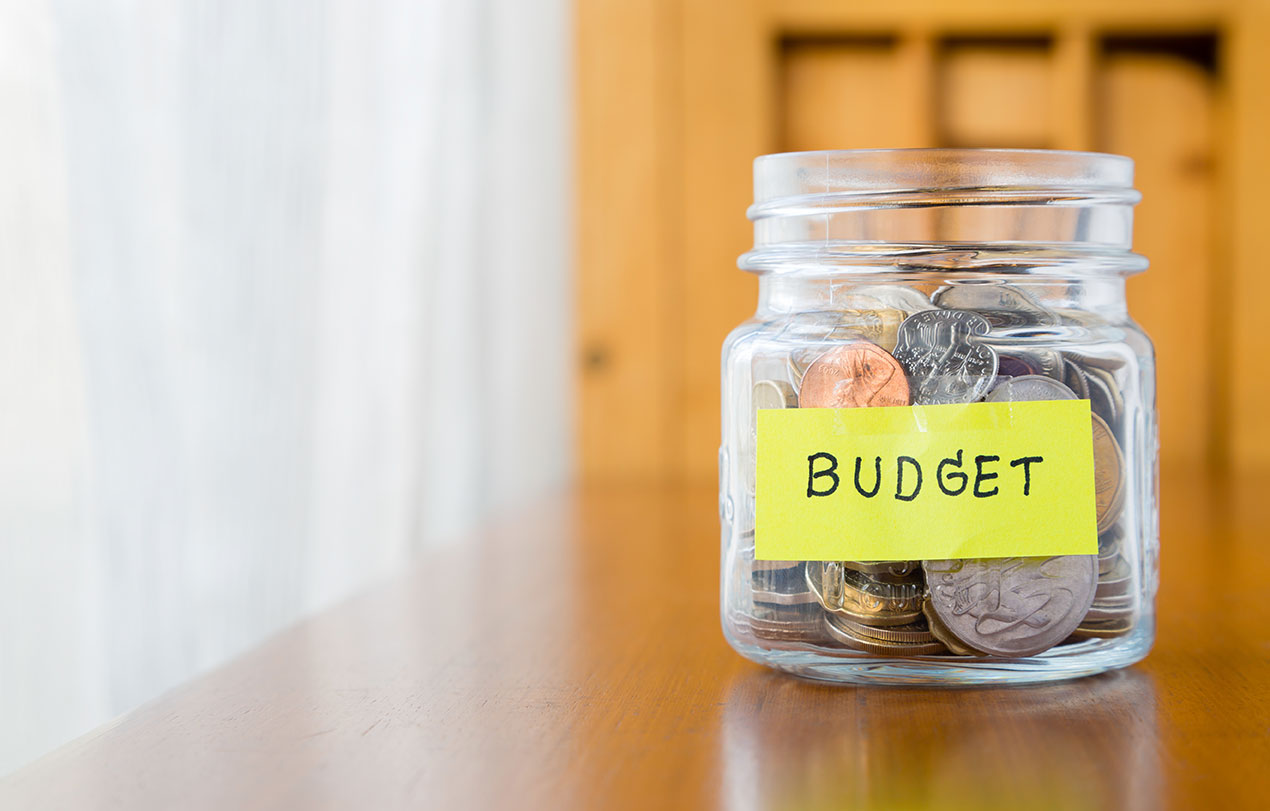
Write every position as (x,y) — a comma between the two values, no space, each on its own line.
(1012,606)
(944,362)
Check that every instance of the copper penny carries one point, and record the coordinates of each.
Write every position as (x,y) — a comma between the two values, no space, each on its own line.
(854,376)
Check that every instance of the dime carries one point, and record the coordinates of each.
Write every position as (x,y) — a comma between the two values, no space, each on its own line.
(1109,483)
(774,394)
(1029,387)
(1012,606)
(897,296)
(880,647)
(1004,306)
(852,376)
(943,362)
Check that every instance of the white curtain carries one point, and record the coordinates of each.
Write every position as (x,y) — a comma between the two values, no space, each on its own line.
(284,296)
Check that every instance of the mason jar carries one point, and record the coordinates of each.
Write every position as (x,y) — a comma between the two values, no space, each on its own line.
(939,431)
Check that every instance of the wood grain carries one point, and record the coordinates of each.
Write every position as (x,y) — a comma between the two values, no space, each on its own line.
(627,209)
(715,83)
(572,658)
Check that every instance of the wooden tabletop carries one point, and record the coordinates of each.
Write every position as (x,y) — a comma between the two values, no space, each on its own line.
(572,659)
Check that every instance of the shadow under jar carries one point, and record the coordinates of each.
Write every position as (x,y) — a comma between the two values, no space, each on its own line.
(907,291)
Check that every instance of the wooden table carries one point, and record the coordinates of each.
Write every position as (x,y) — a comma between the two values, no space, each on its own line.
(572,658)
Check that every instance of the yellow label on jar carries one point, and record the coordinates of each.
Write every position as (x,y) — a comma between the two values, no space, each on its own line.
(978,480)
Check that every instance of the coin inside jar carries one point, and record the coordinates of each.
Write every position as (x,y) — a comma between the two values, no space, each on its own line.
(855,375)
(1109,483)
(944,362)
(1012,606)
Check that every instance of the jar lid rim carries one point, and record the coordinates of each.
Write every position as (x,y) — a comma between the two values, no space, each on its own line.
(879,171)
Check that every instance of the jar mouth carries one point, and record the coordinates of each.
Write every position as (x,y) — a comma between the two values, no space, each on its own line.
(844,207)
(790,183)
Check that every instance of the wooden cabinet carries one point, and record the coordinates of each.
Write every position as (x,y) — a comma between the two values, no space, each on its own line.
(676,98)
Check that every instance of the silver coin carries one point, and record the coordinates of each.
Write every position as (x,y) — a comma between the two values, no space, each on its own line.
(1104,394)
(943,361)
(1003,305)
(1028,388)
(782,598)
(773,394)
(1075,380)
(897,296)
(1012,606)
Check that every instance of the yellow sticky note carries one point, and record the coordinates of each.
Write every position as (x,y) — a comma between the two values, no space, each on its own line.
(978,480)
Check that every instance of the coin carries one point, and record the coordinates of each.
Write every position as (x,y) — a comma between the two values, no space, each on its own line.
(1003,305)
(861,598)
(1075,380)
(1104,394)
(1009,365)
(1103,629)
(1109,482)
(786,586)
(942,634)
(896,571)
(916,633)
(1012,606)
(880,647)
(1100,611)
(1117,582)
(773,394)
(1029,387)
(897,296)
(877,326)
(852,376)
(791,624)
(943,362)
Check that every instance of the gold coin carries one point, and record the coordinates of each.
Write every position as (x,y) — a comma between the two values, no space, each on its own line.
(912,634)
(891,571)
(877,646)
(1109,484)
(861,599)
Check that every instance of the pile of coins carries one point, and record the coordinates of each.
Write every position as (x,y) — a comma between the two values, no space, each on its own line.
(892,345)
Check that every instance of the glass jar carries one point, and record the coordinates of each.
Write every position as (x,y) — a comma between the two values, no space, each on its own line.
(915,305)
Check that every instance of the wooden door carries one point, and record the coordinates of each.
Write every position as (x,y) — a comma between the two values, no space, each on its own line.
(689,92)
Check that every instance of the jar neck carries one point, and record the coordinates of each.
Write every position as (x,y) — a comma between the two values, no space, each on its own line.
(794,292)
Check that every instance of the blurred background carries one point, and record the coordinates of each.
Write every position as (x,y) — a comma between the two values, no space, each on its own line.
(295,290)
